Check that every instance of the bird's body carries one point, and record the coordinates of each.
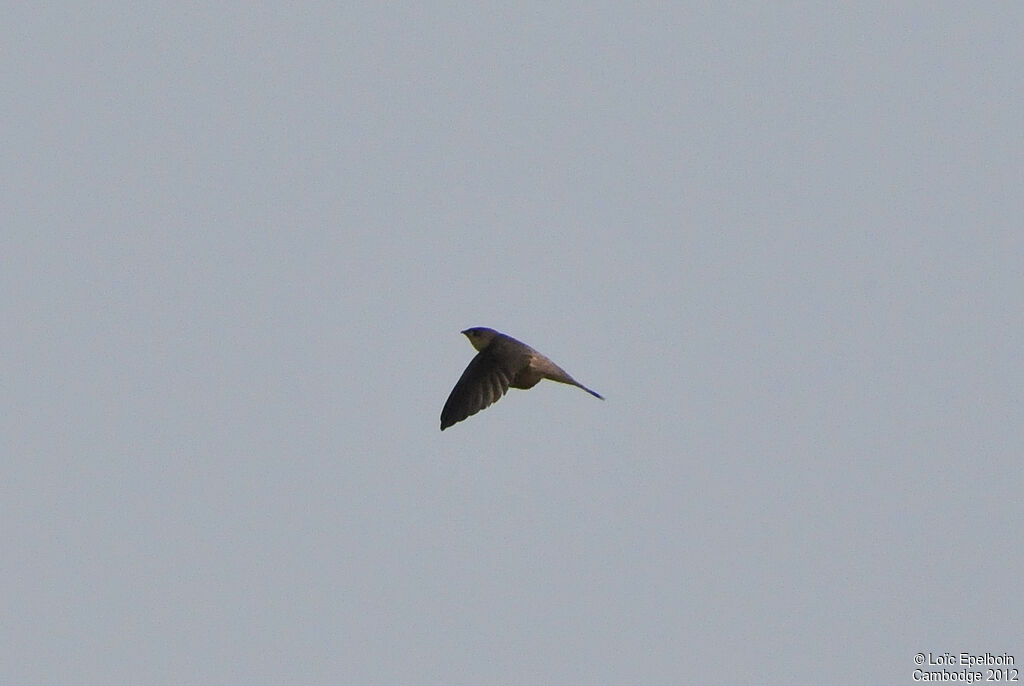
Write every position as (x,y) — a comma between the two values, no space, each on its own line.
(501,363)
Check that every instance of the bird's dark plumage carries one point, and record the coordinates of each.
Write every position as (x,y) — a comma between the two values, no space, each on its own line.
(481,385)
(502,362)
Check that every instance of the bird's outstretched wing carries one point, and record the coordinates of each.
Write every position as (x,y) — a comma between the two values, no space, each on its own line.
(481,385)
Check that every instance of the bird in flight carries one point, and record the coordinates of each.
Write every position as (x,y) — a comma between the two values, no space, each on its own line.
(501,363)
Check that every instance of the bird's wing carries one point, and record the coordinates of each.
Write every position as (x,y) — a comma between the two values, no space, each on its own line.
(481,385)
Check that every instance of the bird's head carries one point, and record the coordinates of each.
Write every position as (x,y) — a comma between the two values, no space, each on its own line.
(480,336)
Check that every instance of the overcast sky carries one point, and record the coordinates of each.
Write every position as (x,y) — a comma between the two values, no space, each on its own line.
(240,241)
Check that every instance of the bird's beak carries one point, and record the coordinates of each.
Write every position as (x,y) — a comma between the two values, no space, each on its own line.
(465,333)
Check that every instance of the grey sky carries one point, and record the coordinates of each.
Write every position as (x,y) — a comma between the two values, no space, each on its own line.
(784,242)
